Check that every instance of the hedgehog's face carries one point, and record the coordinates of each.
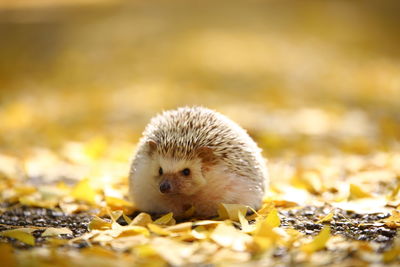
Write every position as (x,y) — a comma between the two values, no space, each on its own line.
(178,176)
(183,176)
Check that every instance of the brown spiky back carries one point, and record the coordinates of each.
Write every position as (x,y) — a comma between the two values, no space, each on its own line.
(180,133)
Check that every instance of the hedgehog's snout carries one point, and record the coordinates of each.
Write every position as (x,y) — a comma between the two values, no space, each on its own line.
(165,186)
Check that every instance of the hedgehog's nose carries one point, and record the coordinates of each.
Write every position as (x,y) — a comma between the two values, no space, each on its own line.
(165,186)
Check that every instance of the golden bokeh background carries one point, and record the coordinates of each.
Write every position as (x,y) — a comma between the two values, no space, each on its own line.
(301,76)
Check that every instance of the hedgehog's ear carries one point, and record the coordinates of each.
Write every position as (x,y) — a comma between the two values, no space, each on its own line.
(206,154)
(152,146)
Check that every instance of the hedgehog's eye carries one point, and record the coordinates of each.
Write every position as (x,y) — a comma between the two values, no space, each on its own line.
(160,171)
(186,172)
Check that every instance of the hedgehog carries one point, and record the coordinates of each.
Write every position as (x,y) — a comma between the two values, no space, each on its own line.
(196,157)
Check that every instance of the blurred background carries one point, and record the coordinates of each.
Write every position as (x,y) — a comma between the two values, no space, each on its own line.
(300,76)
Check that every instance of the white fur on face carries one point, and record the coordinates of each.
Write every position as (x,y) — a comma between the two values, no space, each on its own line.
(176,166)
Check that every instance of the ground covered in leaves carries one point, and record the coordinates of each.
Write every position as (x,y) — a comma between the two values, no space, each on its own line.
(315,84)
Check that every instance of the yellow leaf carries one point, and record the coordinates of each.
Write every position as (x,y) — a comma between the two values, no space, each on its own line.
(145,251)
(318,242)
(230,211)
(56,231)
(84,191)
(273,219)
(99,224)
(98,252)
(284,203)
(158,229)
(34,202)
(181,227)
(189,212)
(118,204)
(126,218)
(130,230)
(265,209)
(115,215)
(327,218)
(7,257)
(394,220)
(395,192)
(200,232)
(356,192)
(142,219)
(25,190)
(228,236)
(246,227)
(206,223)
(167,219)
(391,254)
(22,234)
(264,243)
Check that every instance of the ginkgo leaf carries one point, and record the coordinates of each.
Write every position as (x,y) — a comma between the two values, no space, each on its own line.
(127,219)
(56,231)
(99,224)
(189,212)
(230,211)
(393,221)
(115,215)
(99,251)
(118,203)
(36,202)
(157,229)
(246,227)
(200,232)
(228,236)
(327,218)
(7,256)
(273,219)
(142,219)
(84,191)
(391,255)
(130,230)
(319,242)
(356,192)
(167,219)
(181,227)
(22,234)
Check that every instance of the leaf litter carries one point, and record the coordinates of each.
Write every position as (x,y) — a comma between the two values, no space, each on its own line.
(93,221)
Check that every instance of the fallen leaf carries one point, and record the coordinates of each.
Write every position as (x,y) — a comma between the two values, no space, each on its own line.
(394,220)
(130,230)
(157,229)
(246,227)
(7,256)
(99,251)
(99,224)
(228,236)
(356,192)
(273,219)
(319,242)
(84,191)
(181,227)
(327,218)
(167,219)
(230,211)
(119,204)
(56,231)
(22,234)
(142,219)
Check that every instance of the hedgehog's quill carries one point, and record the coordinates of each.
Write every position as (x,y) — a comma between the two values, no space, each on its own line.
(196,157)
